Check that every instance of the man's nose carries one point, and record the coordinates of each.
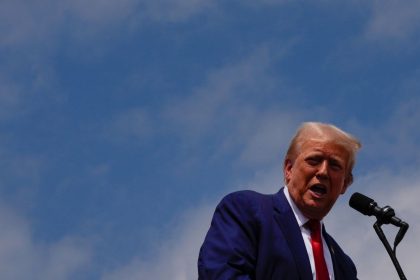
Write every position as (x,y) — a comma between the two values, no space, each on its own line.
(323,169)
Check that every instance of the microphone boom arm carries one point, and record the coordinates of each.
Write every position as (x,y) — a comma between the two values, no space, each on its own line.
(391,253)
(384,215)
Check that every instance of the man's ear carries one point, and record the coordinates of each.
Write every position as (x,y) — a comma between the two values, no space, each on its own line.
(347,182)
(287,169)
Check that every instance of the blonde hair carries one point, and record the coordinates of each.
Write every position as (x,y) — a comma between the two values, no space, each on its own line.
(324,132)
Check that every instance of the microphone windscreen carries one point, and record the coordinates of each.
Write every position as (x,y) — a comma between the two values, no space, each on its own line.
(361,203)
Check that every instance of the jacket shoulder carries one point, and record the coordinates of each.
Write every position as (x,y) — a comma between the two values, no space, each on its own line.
(247,195)
(246,198)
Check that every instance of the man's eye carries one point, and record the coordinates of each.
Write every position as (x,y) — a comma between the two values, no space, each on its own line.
(313,161)
(336,165)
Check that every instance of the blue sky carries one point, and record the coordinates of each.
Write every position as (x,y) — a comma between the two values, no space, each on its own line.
(123,123)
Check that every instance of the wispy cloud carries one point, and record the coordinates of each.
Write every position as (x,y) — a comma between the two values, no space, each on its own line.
(176,256)
(222,92)
(393,21)
(395,141)
(228,108)
(43,22)
(233,92)
(23,257)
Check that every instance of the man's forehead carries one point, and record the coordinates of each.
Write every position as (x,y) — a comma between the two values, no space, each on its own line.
(325,146)
(321,134)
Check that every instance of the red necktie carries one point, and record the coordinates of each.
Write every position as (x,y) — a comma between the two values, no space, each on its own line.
(316,242)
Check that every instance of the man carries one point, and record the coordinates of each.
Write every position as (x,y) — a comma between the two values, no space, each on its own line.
(261,237)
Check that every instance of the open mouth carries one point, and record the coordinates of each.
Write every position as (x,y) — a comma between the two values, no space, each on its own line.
(319,189)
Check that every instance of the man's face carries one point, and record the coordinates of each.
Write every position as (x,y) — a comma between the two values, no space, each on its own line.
(317,176)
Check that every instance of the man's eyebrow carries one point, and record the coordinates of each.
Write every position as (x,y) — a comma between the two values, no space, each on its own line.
(318,153)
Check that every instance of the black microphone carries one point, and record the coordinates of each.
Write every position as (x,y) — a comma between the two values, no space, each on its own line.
(384,215)
(369,207)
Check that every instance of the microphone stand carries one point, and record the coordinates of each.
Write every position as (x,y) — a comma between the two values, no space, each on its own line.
(387,213)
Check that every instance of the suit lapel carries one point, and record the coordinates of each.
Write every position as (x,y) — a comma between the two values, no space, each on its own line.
(286,220)
(338,274)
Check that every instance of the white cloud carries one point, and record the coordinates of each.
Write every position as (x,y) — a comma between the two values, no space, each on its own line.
(176,256)
(271,134)
(222,93)
(24,23)
(227,107)
(393,21)
(22,257)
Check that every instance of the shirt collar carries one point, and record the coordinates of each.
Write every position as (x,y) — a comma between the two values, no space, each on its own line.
(301,219)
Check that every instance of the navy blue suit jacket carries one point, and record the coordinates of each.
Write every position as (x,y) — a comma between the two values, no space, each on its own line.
(256,237)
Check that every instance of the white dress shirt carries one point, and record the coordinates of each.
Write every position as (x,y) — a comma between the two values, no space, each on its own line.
(306,234)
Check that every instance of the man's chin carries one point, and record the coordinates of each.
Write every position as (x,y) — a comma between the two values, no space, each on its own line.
(316,210)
